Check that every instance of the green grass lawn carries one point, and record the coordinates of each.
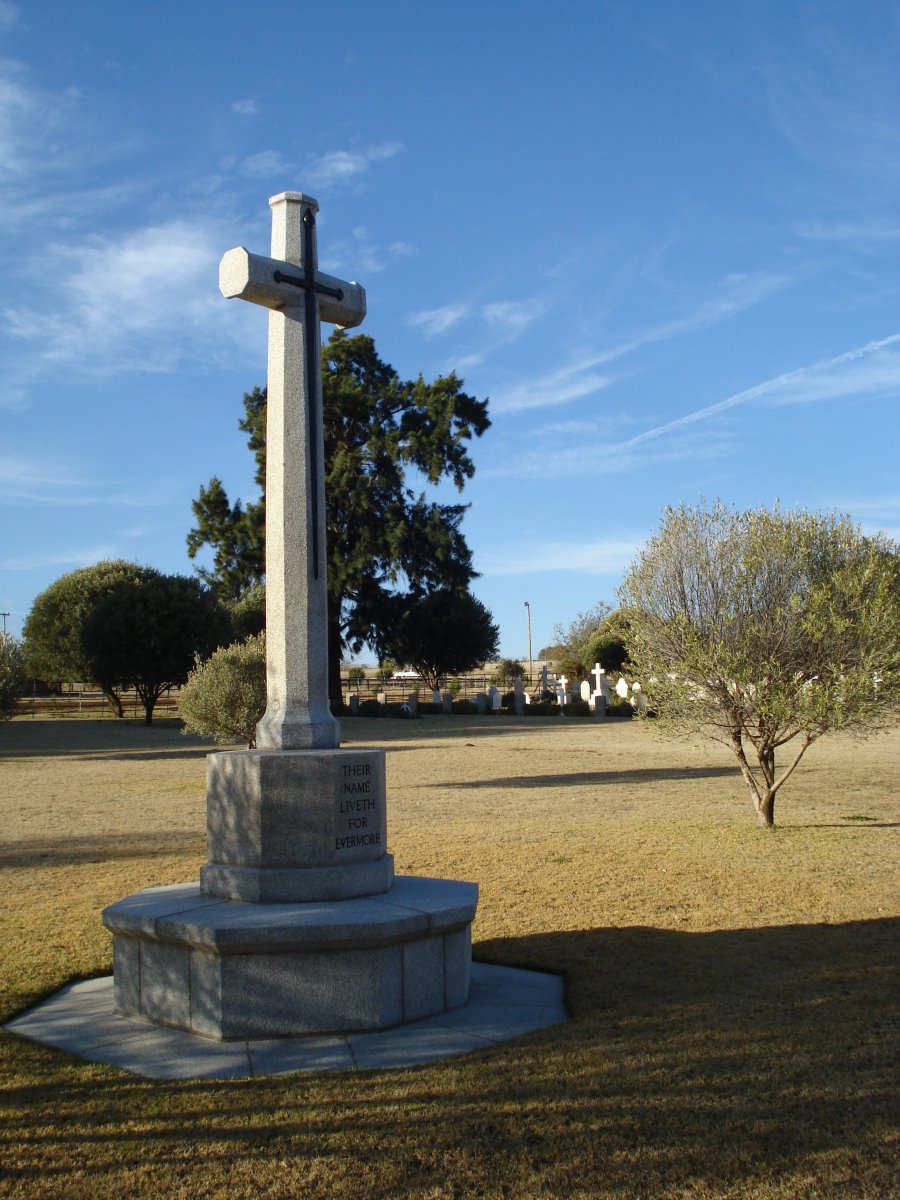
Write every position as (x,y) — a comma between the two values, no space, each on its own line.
(733,991)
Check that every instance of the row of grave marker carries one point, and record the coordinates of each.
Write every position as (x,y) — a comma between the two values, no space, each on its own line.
(595,695)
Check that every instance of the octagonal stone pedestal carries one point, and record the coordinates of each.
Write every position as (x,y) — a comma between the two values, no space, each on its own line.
(231,969)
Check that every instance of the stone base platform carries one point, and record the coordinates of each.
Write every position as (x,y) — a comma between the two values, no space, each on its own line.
(228,969)
(504,1003)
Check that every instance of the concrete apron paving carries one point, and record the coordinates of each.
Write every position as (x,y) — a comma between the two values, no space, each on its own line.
(504,1002)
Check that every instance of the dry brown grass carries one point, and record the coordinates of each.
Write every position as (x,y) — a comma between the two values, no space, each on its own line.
(734,1019)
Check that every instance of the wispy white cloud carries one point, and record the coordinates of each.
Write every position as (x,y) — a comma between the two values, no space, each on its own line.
(245,108)
(877,514)
(146,301)
(435,321)
(581,378)
(740,293)
(31,120)
(73,558)
(360,256)
(835,103)
(50,156)
(341,166)
(609,556)
(583,455)
(27,481)
(512,314)
(264,164)
(548,391)
(849,231)
(867,370)
(19,472)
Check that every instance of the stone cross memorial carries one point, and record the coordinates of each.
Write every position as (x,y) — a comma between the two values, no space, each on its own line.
(297,296)
(298,924)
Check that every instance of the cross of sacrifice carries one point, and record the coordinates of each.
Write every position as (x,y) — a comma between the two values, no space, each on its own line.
(298,296)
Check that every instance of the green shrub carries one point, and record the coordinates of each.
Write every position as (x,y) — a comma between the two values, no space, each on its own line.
(225,696)
(369,708)
(508,670)
(12,674)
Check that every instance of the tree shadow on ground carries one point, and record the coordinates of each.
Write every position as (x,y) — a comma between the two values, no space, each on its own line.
(85,739)
(738,1063)
(565,779)
(76,850)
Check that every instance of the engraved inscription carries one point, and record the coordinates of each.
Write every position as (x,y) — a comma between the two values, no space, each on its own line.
(358,818)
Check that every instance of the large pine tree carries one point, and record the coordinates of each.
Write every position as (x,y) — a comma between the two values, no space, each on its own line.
(385,538)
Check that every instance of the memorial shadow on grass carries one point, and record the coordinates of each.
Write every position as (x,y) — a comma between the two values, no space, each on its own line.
(751,1063)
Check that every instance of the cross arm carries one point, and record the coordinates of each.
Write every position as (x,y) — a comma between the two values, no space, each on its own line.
(280,285)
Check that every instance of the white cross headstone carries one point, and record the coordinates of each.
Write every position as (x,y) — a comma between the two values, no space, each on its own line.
(599,675)
(298,297)
(562,694)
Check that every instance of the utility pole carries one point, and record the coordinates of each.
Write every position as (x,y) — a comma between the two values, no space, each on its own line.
(528,610)
(4,616)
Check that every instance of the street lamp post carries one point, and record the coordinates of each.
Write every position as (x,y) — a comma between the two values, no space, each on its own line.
(528,610)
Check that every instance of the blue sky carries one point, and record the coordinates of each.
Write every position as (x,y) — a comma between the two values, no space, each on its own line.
(661,238)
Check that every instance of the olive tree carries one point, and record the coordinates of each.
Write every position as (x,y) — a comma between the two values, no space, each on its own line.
(609,643)
(766,630)
(146,632)
(12,674)
(445,633)
(118,624)
(54,628)
(572,650)
(509,670)
(225,697)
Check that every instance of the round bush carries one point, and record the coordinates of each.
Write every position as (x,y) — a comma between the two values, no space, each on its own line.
(225,697)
